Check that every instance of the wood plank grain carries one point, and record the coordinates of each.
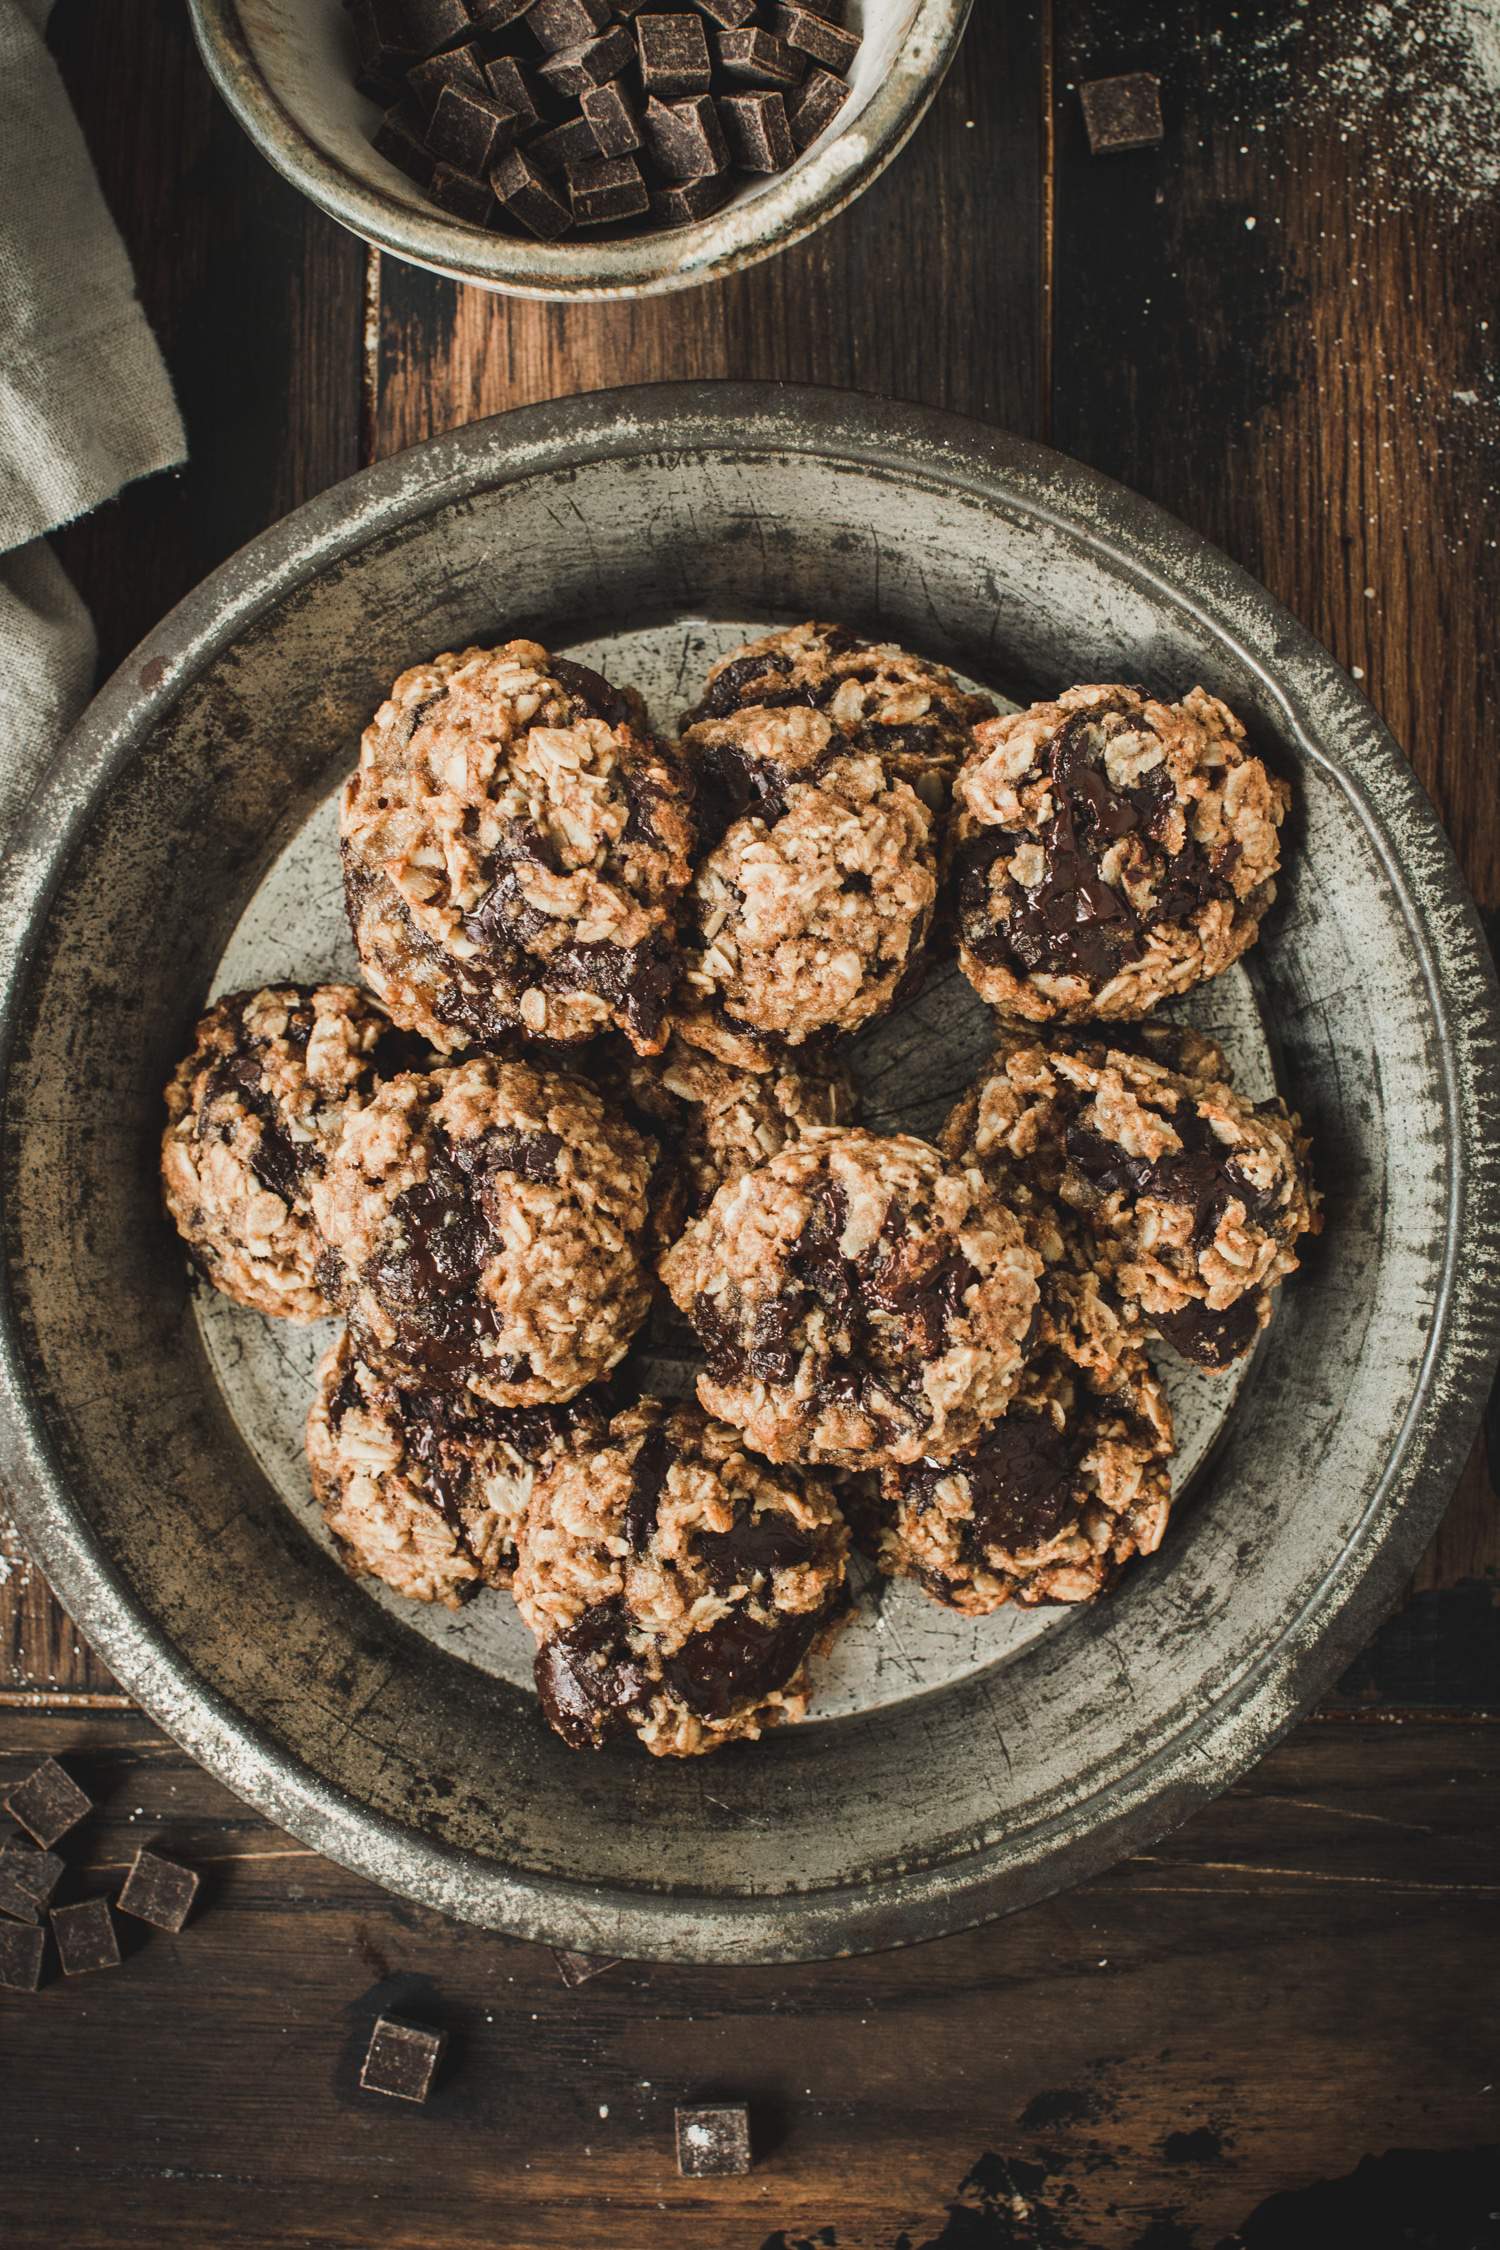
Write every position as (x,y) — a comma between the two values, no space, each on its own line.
(205,2094)
(1277,325)
(928,288)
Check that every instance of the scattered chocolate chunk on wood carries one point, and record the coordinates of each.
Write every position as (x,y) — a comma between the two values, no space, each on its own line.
(611,117)
(85,1937)
(27,1881)
(812,107)
(579,1968)
(713,2144)
(527,198)
(758,133)
(159,1891)
(469,129)
(556,24)
(458,192)
(811,33)
(687,200)
(1122,113)
(760,57)
(48,1803)
(21,1951)
(674,55)
(402,2059)
(686,139)
(604,193)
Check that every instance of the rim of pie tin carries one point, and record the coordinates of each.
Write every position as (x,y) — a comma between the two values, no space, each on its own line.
(1334,728)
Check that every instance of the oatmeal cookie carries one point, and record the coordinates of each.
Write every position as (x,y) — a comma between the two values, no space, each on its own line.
(712,1122)
(485,1227)
(1194,1198)
(676,1586)
(1051,1502)
(860,1300)
(514,843)
(912,714)
(1110,849)
(253,1110)
(813,902)
(427,1489)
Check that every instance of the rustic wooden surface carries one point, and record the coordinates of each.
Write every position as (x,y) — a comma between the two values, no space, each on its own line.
(1304,1977)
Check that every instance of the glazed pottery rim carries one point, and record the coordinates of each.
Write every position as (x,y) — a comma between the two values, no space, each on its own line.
(813,191)
(1213,1745)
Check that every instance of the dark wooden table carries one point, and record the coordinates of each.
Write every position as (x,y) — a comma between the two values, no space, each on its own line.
(1283,326)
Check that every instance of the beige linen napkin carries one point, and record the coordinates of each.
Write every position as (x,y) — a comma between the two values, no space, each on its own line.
(85,402)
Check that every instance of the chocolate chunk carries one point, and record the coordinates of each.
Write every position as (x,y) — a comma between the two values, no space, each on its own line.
(685,139)
(430,24)
(648,1477)
(739,1661)
(495,15)
(1214,1340)
(729,15)
(674,55)
(399,145)
(567,144)
(692,199)
(814,105)
(402,2059)
(511,86)
(85,1937)
(556,24)
(47,1803)
(572,70)
(469,129)
(1122,113)
(608,191)
(580,1968)
(611,118)
(812,34)
(158,1891)
(588,1679)
(757,130)
(27,1881)
(760,57)
(466,198)
(21,1953)
(1021,1480)
(383,38)
(713,2144)
(459,66)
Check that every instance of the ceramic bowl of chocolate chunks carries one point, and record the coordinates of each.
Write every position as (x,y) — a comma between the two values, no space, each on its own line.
(580,148)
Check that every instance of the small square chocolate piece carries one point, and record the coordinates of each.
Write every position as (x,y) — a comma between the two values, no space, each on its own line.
(759,57)
(758,133)
(567,23)
(458,67)
(814,105)
(27,1881)
(430,24)
(469,129)
(158,1891)
(572,70)
(21,1953)
(674,55)
(85,1937)
(611,118)
(688,200)
(461,194)
(528,198)
(603,194)
(47,1803)
(382,38)
(572,142)
(512,89)
(713,2144)
(1122,113)
(402,2059)
(812,34)
(729,15)
(686,139)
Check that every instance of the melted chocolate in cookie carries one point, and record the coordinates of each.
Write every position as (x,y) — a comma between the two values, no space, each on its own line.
(587,1679)
(281,1165)
(1201,1175)
(1020,1479)
(648,1479)
(1214,1340)
(739,1661)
